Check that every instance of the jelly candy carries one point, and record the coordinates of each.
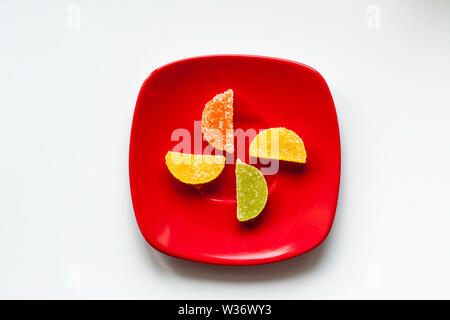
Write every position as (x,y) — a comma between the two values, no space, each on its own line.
(251,191)
(278,143)
(217,121)
(194,168)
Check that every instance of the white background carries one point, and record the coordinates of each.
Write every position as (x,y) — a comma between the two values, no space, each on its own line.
(70,73)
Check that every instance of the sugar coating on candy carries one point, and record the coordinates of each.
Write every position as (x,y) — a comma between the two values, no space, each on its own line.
(217,121)
(194,168)
(278,143)
(251,191)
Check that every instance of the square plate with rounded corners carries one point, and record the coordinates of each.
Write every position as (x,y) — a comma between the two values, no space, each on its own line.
(200,223)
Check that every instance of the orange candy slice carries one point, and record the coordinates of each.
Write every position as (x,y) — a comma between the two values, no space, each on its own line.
(278,143)
(194,168)
(217,121)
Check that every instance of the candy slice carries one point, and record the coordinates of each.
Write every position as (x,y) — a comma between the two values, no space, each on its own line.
(251,191)
(217,121)
(278,143)
(194,168)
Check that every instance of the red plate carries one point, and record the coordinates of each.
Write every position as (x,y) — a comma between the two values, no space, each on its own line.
(201,224)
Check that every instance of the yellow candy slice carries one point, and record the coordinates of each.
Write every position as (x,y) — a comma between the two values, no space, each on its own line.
(251,191)
(194,168)
(278,143)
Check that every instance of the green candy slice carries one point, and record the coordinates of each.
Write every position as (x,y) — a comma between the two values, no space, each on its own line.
(251,191)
